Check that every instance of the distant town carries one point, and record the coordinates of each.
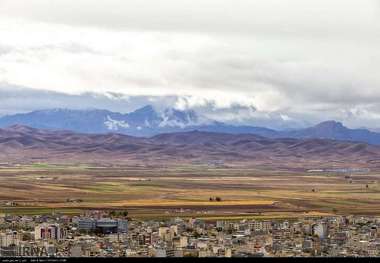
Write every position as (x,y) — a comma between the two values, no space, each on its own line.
(114,234)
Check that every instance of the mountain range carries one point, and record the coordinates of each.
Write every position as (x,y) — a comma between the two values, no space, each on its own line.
(147,122)
(22,144)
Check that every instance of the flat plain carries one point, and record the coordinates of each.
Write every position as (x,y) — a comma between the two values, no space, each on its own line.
(152,192)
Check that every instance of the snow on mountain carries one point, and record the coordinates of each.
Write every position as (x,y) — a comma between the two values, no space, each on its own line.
(175,118)
(114,125)
(147,121)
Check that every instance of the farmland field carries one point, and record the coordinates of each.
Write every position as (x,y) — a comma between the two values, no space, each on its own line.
(148,192)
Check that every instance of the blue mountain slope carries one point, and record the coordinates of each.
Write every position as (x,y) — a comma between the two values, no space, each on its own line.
(147,122)
(336,131)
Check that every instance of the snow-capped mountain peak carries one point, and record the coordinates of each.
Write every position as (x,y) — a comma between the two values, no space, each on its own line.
(175,118)
(115,125)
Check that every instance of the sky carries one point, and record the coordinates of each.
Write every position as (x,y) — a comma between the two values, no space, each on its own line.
(276,63)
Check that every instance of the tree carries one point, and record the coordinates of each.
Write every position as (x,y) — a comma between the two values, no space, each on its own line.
(218,199)
(196,234)
(26,237)
(211,199)
(112,213)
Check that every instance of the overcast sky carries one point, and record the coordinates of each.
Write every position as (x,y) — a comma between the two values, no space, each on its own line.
(269,62)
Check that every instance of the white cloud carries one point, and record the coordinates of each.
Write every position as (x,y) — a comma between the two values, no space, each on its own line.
(240,60)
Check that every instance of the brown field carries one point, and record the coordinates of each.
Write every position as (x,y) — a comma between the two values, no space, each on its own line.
(185,191)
